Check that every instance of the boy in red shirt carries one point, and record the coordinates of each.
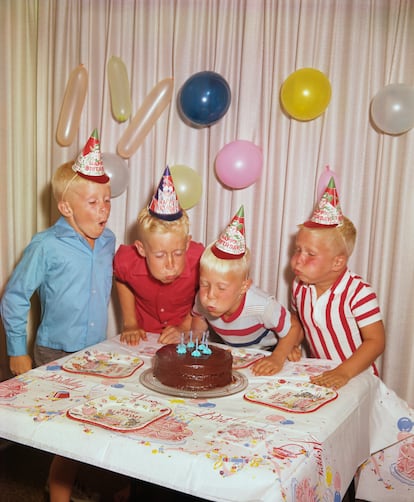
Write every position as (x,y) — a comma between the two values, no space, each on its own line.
(157,277)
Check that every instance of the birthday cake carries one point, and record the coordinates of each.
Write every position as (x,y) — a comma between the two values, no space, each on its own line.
(187,372)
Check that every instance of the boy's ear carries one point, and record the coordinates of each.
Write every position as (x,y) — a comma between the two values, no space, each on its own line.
(64,208)
(246,285)
(140,248)
(188,242)
(339,262)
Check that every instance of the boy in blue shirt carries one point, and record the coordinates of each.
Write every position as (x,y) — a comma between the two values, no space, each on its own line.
(69,265)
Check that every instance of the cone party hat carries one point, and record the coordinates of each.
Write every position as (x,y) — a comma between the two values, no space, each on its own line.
(231,244)
(328,211)
(89,163)
(164,204)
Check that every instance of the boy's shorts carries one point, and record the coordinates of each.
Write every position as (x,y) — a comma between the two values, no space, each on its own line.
(44,355)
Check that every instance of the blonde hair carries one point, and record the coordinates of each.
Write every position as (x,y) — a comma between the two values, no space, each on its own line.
(147,223)
(210,262)
(65,179)
(342,238)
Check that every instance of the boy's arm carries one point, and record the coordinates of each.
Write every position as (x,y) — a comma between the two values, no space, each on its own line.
(274,363)
(131,332)
(20,364)
(373,345)
(172,334)
(192,322)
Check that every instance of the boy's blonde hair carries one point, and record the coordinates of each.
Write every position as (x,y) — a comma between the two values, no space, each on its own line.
(210,262)
(147,223)
(65,179)
(342,238)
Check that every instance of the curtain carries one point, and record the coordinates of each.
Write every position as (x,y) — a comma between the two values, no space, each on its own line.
(360,45)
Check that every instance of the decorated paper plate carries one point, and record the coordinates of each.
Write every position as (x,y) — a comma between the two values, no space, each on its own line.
(243,358)
(296,397)
(105,364)
(121,414)
(238,384)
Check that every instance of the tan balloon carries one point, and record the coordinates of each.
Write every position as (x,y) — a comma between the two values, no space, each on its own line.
(152,107)
(72,106)
(119,89)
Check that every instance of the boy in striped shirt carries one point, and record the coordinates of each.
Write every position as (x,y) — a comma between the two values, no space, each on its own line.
(241,314)
(338,310)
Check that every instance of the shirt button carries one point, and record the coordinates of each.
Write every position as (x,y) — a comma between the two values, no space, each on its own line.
(162,310)
(92,324)
(93,291)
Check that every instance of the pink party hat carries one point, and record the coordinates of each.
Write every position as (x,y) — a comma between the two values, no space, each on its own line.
(89,164)
(328,212)
(231,244)
(164,204)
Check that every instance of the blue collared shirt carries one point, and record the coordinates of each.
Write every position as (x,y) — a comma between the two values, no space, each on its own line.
(74,284)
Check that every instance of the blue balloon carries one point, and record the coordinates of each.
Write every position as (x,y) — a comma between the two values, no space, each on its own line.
(204,98)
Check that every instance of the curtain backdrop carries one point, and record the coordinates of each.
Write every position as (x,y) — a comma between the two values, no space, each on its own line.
(361,46)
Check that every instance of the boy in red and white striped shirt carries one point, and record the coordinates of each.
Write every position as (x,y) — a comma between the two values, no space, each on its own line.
(338,310)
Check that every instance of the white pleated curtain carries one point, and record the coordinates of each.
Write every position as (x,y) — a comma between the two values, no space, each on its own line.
(361,45)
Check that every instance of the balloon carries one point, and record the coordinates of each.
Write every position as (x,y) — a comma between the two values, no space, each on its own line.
(152,107)
(118,172)
(119,89)
(392,109)
(305,94)
(239,164)
(72,105)
(324,180)
(204,98)
(187,184)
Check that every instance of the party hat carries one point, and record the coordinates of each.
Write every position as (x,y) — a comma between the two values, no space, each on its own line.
(328,212)
(164,204)
(89,164)
(231,244)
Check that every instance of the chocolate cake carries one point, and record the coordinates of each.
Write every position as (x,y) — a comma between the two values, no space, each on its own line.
(186,372)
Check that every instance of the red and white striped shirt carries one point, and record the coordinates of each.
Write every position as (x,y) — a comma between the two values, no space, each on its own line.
(257,323)
(332,322)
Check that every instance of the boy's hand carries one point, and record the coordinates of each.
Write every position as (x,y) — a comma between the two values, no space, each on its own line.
(333,379)
(132,336)
(20,364)
(170,334)
(268,365)
(295,355)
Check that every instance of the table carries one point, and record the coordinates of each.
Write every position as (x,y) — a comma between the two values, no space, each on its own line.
(219,448)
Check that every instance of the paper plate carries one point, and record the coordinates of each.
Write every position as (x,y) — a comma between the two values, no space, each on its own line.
(104,364)
(243,358)
(238,384)
(121,414)
(295,397)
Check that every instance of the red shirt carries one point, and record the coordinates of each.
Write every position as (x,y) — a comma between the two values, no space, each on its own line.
(158,305)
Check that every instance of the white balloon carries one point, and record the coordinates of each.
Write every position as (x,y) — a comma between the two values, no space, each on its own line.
(118,172)
(392,108)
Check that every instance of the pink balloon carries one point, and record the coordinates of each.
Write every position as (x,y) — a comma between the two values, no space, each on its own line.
(239,164)
(324,180)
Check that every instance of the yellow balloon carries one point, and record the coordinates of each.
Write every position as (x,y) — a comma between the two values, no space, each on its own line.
(305,94)
(119,89)
(187,184)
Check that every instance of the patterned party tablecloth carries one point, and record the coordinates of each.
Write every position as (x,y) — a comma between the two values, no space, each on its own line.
(278,439)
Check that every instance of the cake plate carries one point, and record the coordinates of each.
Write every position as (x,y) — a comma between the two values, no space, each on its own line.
(238,384)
